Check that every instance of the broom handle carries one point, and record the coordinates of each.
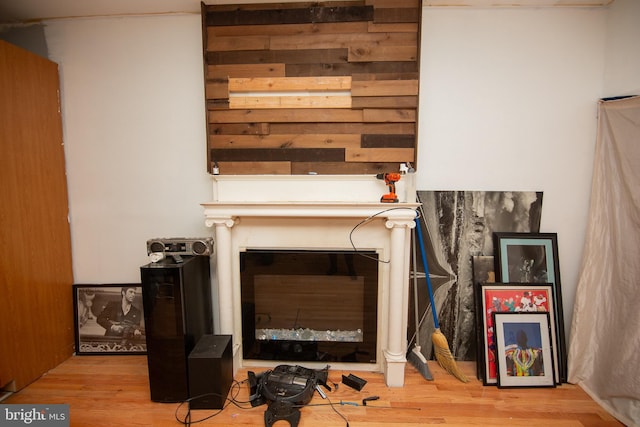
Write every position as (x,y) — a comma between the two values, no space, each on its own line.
(415,286)
(426,273)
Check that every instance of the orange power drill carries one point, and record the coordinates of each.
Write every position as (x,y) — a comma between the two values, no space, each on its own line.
(390,179)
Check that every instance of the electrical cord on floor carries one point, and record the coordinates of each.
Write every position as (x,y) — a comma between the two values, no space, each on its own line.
(331,404)
(235,390)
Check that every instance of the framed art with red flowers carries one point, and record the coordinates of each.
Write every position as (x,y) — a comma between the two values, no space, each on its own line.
(510,298)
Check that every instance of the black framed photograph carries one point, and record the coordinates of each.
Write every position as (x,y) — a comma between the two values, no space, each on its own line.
(109,319)
(514,298)
(533,258)
(483,267)
(524,349)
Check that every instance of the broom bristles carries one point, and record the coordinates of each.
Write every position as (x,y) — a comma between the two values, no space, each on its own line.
(444,356)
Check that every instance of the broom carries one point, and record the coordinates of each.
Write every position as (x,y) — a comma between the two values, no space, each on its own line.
(415,356)
(440,344)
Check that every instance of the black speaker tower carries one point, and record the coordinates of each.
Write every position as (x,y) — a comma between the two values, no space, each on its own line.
(177,313)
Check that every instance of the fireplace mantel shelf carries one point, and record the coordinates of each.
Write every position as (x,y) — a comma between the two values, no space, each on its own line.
(215,210)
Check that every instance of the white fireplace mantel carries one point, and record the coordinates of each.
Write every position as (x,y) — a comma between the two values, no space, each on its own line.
(242,225)
(315,225)
(220,210)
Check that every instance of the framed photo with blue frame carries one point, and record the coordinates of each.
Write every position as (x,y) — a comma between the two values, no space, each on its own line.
(524,349)
(533,258)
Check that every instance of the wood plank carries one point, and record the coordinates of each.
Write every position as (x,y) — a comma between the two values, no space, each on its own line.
(281,5)
(293,29)
(287,154)
(284,141)
(339,128)
(394,27)
(239,129)
(254,168)
(217,89)
(371,52)
(214,104)
(384,88)
(270,102)
(292,115)
(292,15)
(380,155)
(392,4)
(104,391)
(386,76)
(397,15)
(285,84)
(388,141)
(337,168)
(384,102)
(245,70)
(350,69)
(389,115)
(309,56)
(334,41)
(231,43)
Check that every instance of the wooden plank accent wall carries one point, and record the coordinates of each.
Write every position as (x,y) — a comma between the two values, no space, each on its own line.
(324,87)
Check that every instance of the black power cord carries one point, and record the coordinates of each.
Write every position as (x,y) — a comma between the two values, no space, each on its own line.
(235,390)
(332,405)
(363,222)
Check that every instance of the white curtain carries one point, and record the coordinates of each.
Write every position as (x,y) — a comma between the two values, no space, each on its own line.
(604,348)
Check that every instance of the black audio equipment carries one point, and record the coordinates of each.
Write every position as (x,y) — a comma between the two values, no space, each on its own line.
(180,246)
(210,372)
(177,313)
(286,389)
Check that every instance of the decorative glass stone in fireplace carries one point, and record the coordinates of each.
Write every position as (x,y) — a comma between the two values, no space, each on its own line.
(308,305)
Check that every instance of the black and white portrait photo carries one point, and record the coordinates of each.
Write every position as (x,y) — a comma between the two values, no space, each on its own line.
(109,319)
(458,226)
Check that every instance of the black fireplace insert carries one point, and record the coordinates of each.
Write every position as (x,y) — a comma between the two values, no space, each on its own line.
(309,305)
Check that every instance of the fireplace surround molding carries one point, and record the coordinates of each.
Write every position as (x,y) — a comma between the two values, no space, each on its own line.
(316,225)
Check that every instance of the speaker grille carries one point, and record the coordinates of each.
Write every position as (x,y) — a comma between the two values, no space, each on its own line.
(199,247)
(156,247)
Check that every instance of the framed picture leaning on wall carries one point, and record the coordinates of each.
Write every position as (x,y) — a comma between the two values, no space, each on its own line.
(510,298)
(533,258)
(483,272)
(523,349)
(109,319)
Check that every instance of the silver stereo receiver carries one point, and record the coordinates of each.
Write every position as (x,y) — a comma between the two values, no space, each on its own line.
(180,246)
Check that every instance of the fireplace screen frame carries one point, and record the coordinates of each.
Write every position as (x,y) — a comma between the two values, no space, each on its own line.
(314,335)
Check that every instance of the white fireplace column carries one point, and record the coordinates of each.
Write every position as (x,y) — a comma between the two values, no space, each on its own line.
(395,353)
(224,270)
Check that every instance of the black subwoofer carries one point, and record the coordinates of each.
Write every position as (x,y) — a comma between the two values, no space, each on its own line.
(210,372)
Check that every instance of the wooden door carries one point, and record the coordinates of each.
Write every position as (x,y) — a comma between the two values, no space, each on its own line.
(36,310)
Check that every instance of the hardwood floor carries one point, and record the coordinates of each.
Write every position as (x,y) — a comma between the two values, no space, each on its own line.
(114,391)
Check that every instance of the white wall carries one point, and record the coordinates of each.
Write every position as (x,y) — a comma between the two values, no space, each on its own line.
(508,102)
(622,67)
(134,129)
